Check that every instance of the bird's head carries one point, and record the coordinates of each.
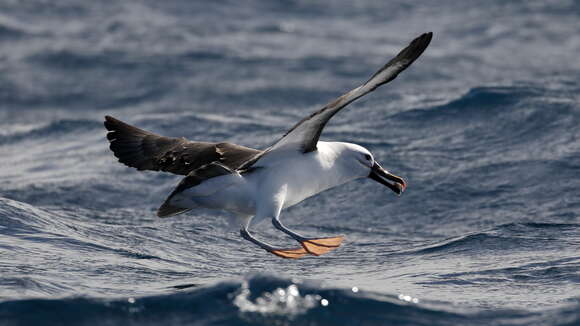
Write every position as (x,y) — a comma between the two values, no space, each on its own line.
(361,162)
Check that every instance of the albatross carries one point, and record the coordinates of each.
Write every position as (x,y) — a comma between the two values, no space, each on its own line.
(254,184)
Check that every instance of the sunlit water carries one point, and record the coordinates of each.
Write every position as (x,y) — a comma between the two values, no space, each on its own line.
(484,127)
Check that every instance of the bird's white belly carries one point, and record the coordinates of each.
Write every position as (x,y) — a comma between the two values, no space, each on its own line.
(233,199)
(241,197)
(301,187)
(300,176)
(234,196)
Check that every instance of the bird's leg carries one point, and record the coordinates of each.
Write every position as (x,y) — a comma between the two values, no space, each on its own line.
(284,253)
(314,246)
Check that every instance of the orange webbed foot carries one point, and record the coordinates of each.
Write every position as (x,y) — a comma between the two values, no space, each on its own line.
(322,246)
(289,253)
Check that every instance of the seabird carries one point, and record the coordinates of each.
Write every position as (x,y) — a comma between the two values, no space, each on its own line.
(257,184)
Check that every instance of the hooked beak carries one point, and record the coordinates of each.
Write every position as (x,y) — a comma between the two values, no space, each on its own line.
(380,175)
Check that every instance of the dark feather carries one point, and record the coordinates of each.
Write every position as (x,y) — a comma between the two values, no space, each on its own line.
(144,150)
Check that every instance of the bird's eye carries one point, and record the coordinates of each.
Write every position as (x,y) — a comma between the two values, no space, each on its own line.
(368,157)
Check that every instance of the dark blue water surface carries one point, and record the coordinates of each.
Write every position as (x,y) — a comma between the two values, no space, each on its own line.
(484,127)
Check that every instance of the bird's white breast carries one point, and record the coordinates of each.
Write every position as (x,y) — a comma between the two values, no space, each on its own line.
(301,175)
(231,192)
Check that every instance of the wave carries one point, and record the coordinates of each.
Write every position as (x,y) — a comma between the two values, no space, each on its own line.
(481,103)
(8,32)
(484,133)
(476,243)
(55,128)
(509,236)
(263,300)
(15,30)
(74,60)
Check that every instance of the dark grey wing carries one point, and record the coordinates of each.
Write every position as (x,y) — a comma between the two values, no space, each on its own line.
(305,134)
(144,150)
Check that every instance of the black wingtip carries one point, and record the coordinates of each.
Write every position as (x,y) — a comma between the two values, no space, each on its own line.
(422,41)
(111,122)
(417,46)
(405,58)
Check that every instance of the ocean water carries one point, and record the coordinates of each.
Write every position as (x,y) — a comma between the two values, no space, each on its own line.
(484,127)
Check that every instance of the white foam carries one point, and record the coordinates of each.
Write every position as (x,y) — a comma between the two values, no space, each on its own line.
(281,301)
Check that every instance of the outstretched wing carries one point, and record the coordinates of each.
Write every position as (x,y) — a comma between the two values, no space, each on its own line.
(144,150)
(305,134)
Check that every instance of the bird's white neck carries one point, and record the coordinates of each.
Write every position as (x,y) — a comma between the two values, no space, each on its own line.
(334,156)
(315,172)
